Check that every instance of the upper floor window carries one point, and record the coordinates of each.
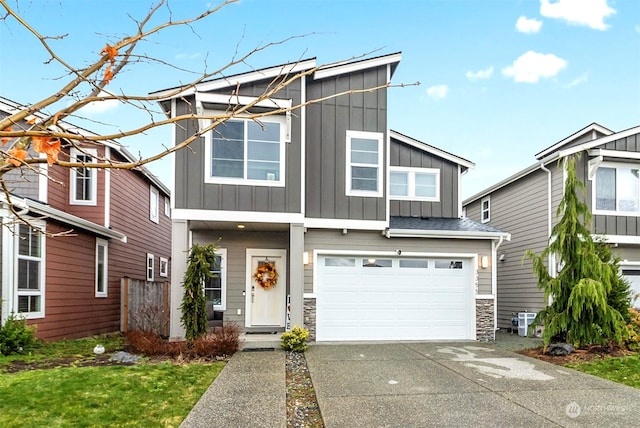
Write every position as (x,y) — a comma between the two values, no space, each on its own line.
(30,272)
(154,198)
(101,268)
(244,151)
(164,267)
(84,182)
(485,209)
(364,163)
(167,206)
(150,265)
(617,189)
(421,184)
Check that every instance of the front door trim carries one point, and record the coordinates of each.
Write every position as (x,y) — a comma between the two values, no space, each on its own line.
(280,287)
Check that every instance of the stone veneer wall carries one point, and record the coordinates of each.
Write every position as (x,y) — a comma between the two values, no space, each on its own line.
(310,318)
(484,320)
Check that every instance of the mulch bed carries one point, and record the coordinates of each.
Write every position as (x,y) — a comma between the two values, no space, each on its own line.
(594,352)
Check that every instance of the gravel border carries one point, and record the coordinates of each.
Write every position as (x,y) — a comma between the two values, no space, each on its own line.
(302,405)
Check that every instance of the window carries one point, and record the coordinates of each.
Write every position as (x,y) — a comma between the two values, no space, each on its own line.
(364,163)
(101,268)
(485,210)
(617,189)
(154,198)
(243,151)
(167,206)
(421,184)
(414,263)
(339,262)
(150,263)
(373,262)
(83,181)
(448,264)
(164,267)
(30,272)
(215,289)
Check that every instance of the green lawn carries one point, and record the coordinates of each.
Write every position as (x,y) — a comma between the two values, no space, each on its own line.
(142,395)
(624,370)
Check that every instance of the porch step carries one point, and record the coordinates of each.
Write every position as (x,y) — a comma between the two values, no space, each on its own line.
(260,341)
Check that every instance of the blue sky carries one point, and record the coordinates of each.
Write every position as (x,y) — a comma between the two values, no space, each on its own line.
(500,80)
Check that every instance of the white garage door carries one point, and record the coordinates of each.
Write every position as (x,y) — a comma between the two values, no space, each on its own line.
(360,298)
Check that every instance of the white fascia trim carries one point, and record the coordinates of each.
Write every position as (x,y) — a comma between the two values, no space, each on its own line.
(303,144)
(232,81)
(331,70)
(66,218)
(580,133)
(236,216)
(600,141)
(336,223)
(453,234)
(234,100)
(619,239)
(430,149)
(615,154)
(107,190)
(485,297)
(43,181)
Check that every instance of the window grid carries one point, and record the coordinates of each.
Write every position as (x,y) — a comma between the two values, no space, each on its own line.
(29,274)
(101,268)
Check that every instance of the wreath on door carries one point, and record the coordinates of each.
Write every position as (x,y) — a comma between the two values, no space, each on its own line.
(266,275)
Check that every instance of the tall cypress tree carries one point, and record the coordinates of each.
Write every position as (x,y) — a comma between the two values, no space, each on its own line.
(193,307)
(586,292)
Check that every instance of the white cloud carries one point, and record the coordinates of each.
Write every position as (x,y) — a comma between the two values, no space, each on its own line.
(188,56)
(583,78)
(590,13)
(438,92)
(526,25)
(637,28)
(480,74)
(532,66)
(101,106)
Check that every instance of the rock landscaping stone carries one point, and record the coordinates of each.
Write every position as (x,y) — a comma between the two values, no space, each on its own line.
(558,349)
(125,357)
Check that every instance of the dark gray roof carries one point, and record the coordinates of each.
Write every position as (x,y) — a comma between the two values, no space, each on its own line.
(441,224)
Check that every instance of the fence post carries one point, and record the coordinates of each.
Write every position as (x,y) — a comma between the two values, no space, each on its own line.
(166,315)
(124,304)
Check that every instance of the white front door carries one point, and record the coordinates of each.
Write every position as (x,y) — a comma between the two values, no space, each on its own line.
(266,306)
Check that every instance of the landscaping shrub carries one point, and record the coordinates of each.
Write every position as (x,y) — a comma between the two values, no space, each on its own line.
(16,337)
(295,340)
(224,341)
(633,342)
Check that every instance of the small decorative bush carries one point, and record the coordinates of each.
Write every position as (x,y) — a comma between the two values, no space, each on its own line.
(295,340)
(633,342)
(16,337)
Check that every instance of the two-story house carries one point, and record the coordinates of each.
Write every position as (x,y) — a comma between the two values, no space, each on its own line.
(360,224)
(101,225)
(526,203)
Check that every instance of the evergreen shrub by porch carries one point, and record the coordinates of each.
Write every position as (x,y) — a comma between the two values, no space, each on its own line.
(16,337)
(633,341)
(295,340)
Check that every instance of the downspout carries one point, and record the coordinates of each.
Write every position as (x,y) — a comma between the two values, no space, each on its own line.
(494,277)
(552,257)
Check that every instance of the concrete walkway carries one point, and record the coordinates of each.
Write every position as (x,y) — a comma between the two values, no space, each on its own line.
(249,392)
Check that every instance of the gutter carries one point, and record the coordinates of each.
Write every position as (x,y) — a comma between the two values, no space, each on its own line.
(454,234)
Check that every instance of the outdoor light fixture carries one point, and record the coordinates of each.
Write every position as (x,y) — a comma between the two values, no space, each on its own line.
(241,226)
(305,258)
(484,262)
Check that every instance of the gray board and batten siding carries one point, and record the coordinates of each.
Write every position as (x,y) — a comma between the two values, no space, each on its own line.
(191,192)
(326,125)
(404,155)
(521,208)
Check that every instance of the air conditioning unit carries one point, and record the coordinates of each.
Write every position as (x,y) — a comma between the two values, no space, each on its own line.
(524,321)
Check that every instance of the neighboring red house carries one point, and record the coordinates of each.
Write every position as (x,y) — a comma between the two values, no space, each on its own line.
(118,224)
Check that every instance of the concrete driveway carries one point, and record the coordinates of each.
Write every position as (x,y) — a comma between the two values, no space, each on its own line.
(458,385)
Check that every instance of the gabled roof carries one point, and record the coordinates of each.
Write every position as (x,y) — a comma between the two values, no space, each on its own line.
(438,227)
(10,107)
(593,128)
(556,155)
(431,149)
(334,69)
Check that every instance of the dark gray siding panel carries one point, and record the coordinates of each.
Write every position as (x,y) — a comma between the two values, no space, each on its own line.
(327,124)
(193,193)
(407,156)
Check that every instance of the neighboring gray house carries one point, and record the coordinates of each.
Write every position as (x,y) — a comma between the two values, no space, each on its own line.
(361,224)
(525,205)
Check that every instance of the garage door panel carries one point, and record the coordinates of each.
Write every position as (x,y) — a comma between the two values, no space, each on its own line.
(394,303)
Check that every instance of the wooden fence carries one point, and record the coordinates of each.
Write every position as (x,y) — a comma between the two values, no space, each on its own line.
(144,306)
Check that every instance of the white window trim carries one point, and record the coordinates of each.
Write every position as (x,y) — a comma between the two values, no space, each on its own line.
(412,183)
(222,253)
(208,140)
(42,259)
(105,274)
(154,211)
(370,136)
(150,269)
(164,267)
(615,165)
(167,206)
(488,210)
(93,175)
